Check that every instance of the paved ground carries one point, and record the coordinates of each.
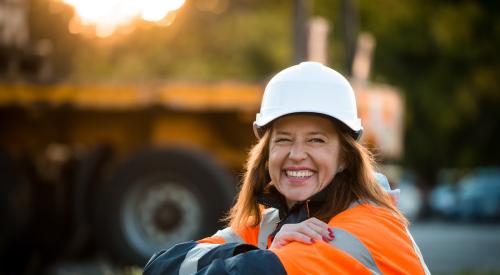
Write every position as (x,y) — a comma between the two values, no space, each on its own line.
(450,248)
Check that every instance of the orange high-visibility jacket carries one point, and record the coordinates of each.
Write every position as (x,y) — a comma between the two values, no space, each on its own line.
(368,240)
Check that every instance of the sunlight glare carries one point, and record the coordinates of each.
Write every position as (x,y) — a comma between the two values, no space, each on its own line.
(156,10)
(107,16)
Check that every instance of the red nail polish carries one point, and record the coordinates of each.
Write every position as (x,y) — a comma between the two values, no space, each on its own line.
(313,240)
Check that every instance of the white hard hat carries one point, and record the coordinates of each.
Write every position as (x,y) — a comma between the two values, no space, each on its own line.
(309,87)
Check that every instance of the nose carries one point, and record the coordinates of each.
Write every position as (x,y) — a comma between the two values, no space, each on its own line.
(297,152)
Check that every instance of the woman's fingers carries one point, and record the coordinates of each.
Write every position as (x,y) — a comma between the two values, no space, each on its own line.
(319,223)
(321,228)
(283,238)
(311,230)
(305,232)
(299,236)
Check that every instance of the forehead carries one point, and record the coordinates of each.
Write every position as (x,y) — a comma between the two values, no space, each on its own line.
(304,123)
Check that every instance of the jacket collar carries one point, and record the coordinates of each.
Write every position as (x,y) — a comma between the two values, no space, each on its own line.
(300,212)
(271,197)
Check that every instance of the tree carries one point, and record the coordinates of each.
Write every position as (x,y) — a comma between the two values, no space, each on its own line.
(443,54)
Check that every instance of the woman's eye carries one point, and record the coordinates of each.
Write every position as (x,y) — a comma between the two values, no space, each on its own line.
(281,140)
(317,140)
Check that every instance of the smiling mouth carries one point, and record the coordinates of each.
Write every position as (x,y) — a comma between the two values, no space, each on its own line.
(299,174)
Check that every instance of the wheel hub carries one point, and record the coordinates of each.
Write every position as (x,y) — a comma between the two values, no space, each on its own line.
(167,216)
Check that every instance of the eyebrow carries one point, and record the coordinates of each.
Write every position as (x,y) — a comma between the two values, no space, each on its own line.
(309,133)
(317,133)
(281,133)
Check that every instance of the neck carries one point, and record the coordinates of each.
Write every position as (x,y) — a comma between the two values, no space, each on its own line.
(290,203)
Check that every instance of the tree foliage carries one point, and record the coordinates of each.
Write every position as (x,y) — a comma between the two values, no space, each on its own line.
(245,41)
(443,54)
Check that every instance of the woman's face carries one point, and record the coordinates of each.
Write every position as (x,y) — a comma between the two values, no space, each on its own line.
(303,155)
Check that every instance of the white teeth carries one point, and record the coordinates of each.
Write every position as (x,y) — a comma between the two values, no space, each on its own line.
(299,173)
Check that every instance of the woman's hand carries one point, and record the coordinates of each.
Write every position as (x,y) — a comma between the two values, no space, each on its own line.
(306,232)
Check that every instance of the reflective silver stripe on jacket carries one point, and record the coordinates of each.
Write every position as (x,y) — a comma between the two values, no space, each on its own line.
(270,220)
(348,243)
(228,235)
(419,254)
(190,263)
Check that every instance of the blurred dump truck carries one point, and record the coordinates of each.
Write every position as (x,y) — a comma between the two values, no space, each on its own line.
(133,169)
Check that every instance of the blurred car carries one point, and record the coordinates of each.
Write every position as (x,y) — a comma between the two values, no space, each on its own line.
(443,201)
(475,197)
(479,195)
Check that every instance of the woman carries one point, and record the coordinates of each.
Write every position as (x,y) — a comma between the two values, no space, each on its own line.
(309,202)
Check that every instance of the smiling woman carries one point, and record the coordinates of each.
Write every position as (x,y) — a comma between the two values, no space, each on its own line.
(107,16)
(310,202)
(303,156)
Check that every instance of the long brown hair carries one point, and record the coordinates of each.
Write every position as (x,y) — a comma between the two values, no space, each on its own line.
(356,183)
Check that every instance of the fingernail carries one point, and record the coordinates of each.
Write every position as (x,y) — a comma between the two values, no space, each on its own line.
(330,231)
(326,239)
(313,240)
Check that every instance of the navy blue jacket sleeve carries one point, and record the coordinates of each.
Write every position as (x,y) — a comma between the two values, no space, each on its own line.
(230,258)
(253,262)
(168,261)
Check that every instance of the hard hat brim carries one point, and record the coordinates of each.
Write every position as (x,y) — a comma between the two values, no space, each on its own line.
(260,125)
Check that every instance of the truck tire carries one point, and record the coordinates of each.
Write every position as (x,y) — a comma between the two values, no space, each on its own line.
(161,197)
(16,197)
